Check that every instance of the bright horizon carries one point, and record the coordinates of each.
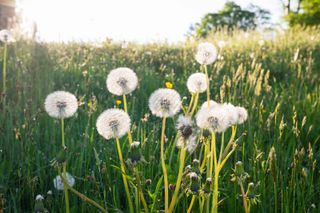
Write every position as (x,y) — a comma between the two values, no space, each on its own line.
(125,20)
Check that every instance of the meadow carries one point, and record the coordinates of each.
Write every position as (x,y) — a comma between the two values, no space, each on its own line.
(276,79)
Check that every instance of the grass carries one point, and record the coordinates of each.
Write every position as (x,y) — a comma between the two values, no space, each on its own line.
(279,84)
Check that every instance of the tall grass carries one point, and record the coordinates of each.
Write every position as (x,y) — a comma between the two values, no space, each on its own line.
(279,84)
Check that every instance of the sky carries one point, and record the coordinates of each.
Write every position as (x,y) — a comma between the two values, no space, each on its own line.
(125,20)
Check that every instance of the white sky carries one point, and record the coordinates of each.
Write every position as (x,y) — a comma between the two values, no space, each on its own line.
(130,20)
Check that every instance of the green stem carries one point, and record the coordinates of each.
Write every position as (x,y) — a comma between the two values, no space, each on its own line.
(4,74)
(208,85)
(230,143)
(65,185)
(215,195)
(140,192)
(125,105)
(213,158)
(164,169)
(124,177)
(195,104)
(191,102)
(178,184)
(244,198)
(191,203)
(82,196)
(222,147)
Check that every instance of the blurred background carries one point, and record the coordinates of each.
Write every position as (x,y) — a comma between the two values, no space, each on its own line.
(150,21)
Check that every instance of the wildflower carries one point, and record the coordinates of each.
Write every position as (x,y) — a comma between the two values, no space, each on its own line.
(169,85)
(214,119)
(165,102)
(58,183)
(122,81)
(187,137)
(206,53)
(197,83)
(118,102)
(61,104)
(113,123)
(6,36)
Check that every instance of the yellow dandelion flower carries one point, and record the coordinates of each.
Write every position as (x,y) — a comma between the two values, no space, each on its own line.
(118,102)
(169,85)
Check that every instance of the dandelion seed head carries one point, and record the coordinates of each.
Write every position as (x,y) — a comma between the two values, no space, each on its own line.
(232,113)
(211,103)
(39,197)
(61,104)
(197,83)
(6,36)
(206,53)
(187,134)
(122,81)
(213,119)
(165,102)
(242,114)
(113,123)
(58,183)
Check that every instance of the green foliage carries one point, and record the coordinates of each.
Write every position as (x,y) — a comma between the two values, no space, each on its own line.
(309,15)
(231,17)
(279,84)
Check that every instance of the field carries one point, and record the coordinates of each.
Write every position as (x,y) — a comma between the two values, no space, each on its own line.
(277,81)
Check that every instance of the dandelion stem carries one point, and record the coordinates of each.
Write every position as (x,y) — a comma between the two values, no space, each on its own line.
(124,177)
(208,85)
(215,195)
(191,102)
(140,192)
(4,74)
(244,197)
(221,147)
(178,184)
(233,134)
(195,104)
(164,169)
(126,110)
(65,189)
(191,203)
(80,195)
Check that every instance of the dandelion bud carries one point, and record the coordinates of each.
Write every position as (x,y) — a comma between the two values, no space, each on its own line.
(148,182)
(207,186)
(239,169)
(250,192)
(62,156)
(171,187)
(39,206)
(134,153)
(195,185)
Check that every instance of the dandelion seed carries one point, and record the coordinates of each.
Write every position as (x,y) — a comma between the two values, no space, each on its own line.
(113,123)
(206,53)
(213,118)
(6,36)
(187,134)
(165,102)
(242,115)
(58,183)
(61,104)
(197,83)
(122,81)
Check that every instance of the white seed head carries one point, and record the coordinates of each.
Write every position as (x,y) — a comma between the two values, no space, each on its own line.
(232,113)
(221,44)
(206,53)
(122,81)
(165,102)
(113,123)
(61,104)
(39,197)
(58,183)
(6,36)
(187,134)
(197,83)
(135,144)
(213,119)
(211,104)
(242,114)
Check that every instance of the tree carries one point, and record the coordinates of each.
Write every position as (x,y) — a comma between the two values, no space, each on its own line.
(302,12)
(232,16)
